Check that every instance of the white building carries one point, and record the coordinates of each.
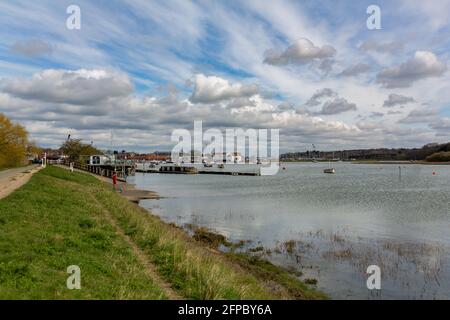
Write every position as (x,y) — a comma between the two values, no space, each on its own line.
(229,157)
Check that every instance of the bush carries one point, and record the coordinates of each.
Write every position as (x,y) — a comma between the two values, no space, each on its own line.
(439,157)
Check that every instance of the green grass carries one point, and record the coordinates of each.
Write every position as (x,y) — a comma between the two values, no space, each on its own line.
(52,223)
(60,219)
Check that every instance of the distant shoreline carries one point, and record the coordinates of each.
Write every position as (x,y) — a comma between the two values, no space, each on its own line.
(373,162)
(400,162)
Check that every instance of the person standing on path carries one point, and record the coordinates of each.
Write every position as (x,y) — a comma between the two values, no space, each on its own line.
(114,179)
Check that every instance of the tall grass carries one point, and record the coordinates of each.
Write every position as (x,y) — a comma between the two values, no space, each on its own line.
(196,271)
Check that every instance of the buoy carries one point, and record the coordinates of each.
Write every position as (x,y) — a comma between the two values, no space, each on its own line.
(434,173)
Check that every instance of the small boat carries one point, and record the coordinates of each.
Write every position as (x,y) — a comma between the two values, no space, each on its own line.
(207,165)
(221,166)
(330,169)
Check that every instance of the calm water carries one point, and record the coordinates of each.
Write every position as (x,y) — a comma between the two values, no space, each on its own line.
(330,227)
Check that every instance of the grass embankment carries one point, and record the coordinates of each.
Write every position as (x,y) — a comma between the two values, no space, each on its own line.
(60,219)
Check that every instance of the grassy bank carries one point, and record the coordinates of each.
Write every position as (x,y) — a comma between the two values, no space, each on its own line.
(60,219)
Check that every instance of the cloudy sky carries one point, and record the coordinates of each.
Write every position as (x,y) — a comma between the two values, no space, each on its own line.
(140,69)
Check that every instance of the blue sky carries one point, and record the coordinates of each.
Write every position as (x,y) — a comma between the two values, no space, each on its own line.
(310,68)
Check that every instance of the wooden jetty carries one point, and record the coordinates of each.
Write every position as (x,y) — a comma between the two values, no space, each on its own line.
(122,170)
(176,169)
(230,173)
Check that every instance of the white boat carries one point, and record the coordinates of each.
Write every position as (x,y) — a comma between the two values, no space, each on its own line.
(330,169)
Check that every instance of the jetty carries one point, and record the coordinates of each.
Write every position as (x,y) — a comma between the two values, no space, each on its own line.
(123,170)
(180,169)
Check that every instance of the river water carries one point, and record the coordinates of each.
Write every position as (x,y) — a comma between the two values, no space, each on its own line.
(329,227)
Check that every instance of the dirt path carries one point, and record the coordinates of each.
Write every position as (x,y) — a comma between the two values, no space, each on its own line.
(142,257)
(150,268)
(12,179)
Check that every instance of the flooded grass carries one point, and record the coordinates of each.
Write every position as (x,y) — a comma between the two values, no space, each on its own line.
(310,281)
(256,249)
(284,281)
(208,237)
(290,246)
(400,261)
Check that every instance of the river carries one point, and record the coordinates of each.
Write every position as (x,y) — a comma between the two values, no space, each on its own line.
(329,227)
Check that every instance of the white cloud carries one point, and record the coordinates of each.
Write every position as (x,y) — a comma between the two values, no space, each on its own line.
(423,65)
(336,106)
(302,51)
(73,87)
(146,121)
(241,102)
(319,95)
(420,116)
(430,13)
(355,69)
(395,99)
(442,126)
(331,103)
(375,115)
(213,89)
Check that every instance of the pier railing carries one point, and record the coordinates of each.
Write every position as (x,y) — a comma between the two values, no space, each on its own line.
(105,171)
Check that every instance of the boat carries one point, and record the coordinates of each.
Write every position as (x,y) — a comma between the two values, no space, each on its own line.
(221,166)
(330,169)
(207,165)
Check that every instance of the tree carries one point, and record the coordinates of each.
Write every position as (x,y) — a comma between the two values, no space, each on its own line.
(13,143)
(33,149)
(74,149)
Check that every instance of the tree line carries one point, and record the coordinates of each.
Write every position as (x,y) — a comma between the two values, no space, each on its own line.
(75,149)
(14,144)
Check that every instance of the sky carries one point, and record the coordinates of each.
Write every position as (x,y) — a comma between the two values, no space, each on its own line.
(137,69)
